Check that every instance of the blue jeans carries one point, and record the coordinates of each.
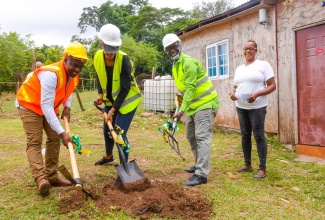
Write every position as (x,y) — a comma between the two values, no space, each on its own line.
(124,122)
(252,120)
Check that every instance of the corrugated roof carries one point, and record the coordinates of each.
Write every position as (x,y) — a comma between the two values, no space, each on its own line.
(231,12)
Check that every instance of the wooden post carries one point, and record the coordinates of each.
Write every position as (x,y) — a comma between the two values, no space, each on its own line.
(17,86)
(153,73)
(34,60)
(79,100)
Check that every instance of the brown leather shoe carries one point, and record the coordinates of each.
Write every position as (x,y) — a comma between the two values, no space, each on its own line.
(43,187)
(60,182)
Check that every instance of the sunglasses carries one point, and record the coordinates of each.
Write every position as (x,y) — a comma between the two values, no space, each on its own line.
(249,48)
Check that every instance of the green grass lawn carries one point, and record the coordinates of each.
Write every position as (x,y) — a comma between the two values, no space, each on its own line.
(291,190)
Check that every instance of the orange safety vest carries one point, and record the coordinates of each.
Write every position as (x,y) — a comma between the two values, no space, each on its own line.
(29,94)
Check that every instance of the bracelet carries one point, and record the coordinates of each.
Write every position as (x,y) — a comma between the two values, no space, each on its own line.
(181,112)
(111,113)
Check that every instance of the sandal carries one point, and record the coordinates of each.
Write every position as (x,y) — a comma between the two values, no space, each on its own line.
(245,169)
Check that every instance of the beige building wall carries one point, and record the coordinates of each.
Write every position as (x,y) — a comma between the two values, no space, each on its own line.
(237,31)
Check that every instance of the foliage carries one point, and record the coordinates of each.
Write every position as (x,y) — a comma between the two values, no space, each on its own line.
(136,5)
(49,54)
(145,56)
(106,13)
(16,57)
(151,24)
(209,9)
(87,42)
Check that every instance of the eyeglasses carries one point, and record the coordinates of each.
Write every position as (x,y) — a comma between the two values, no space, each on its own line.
(249,48)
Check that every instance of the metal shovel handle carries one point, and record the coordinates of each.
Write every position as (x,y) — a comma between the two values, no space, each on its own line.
(75,170)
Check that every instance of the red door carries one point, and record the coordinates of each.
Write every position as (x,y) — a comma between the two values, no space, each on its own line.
(310,45)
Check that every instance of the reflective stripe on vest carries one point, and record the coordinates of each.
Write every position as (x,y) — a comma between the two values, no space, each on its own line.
(204,87)
(133,98)
(60,74)
(29,94)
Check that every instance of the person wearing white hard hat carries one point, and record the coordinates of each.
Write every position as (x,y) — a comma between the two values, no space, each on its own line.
(117,88)
(39,99)
(200,103)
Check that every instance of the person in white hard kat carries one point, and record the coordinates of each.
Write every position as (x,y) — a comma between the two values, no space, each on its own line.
(200,104)
(39,100)
(253,81)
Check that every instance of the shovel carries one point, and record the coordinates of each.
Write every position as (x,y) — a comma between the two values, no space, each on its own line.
(128,172)
(75,180)
(169,129)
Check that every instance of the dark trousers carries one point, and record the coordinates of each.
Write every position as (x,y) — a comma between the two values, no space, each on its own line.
(124,122)
(252,120)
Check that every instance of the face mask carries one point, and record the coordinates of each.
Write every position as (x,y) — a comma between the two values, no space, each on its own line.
(174,50)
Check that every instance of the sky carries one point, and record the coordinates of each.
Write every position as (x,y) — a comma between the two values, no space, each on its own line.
(55,22)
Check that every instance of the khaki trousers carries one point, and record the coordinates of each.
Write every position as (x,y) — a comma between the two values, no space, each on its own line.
(33,125)
(199,135)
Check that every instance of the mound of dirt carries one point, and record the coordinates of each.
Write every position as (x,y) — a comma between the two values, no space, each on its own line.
(145,198)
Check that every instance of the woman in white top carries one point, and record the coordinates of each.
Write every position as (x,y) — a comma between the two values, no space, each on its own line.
(253,81)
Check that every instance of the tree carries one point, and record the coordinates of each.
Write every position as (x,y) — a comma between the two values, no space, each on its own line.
(206,10)
(144,55)
(16,57)
(144,25)
(106,13)
(84,41)
(151,25)
(136,5)
(49,54)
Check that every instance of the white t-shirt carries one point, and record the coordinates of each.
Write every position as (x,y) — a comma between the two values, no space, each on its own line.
(250,79)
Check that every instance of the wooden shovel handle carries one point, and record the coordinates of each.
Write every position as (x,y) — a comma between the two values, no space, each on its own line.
(75,170)
(110,126)
(176,103)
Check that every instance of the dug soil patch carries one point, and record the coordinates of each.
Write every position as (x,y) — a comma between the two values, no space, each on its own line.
(147,198)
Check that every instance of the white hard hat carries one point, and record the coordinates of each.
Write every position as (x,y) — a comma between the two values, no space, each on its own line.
(169,39)
(110,35)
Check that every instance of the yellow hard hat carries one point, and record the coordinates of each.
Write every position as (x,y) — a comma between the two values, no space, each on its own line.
(76,50)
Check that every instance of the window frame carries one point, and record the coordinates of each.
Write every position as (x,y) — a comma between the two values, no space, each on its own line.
(215,45)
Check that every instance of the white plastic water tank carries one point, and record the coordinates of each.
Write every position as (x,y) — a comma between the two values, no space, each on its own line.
(159,95)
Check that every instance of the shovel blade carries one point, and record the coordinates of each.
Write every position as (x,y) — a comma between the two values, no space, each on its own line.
(64,171)
(134,174)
